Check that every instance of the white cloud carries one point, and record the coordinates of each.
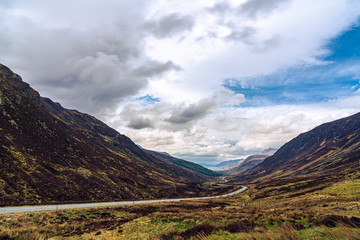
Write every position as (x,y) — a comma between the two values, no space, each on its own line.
(100,55)
(283,34)
(230,133)
(91,59)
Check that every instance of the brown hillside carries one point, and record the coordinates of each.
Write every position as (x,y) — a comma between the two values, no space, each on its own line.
(51,154)
(331,149)
(249,163)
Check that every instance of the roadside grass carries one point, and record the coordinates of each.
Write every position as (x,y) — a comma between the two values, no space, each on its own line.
(297,209)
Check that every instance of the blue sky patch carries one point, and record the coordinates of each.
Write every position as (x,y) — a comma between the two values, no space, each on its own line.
(147,100)
(346,46)
(308,84)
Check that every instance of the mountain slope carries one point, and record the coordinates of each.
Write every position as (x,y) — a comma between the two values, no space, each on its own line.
(249,162)
(183,163)
(51,154)
(331,148)
(229,164)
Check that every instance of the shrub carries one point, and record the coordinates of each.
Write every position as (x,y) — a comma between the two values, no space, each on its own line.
(5,236)
(334,220)
(203,229)
(239,226)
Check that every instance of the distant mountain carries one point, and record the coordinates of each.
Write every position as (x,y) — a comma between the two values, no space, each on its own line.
(250,162)
(222,165)
(183,163)
(330,149)
(269,150)
(229,164)
(52,154)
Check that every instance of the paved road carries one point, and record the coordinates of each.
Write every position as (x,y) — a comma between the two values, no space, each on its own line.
(4,210)
(224,179)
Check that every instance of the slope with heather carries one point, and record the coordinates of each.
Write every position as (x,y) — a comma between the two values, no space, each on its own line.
(52,154)
(330,149)
(249,163)
(183,163)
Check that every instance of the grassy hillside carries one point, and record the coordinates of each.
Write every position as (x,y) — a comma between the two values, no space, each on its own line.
(186,164)
(52,154)
(299,209)
(249,163)
(332,148)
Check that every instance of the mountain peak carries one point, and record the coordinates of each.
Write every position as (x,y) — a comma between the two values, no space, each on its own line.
(12,88)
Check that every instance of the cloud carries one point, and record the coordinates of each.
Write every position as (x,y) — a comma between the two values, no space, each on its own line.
(220,8)
(90,65)
(226,98)
(254,8)
(267,46)
(155,70)
(244,34)
(157,142)
(191,113)
(231,132)
(169,25)
(140,123)
(163,116)
(132,117)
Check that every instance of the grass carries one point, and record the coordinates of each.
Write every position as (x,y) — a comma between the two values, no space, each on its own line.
(195,167)
(295,210)
(346,190)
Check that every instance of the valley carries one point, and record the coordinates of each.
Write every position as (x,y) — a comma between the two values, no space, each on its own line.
(49,154)
(292,210)
(81,179)
(22,209)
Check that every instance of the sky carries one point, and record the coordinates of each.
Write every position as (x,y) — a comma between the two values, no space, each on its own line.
(206,81)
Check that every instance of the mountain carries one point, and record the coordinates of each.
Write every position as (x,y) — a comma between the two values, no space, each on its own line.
(331,149)
(269,150)
(229,164)
(183,163)
(250,162)
(52,154)
(222,165)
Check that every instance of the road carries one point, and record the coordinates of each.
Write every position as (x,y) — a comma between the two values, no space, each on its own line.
(224,179)
(22,209)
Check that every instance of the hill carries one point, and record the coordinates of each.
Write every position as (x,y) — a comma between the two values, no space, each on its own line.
(52,154)
(331,149)
(229,164)
(222,165)
(183,163)
(249,162)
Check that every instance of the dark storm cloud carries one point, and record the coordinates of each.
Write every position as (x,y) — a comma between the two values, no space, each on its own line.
(80,62)
(193,112)
(170,25)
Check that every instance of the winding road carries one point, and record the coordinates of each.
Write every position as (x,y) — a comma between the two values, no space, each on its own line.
(5,210)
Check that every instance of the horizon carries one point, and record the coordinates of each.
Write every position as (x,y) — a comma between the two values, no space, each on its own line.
(206,82)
